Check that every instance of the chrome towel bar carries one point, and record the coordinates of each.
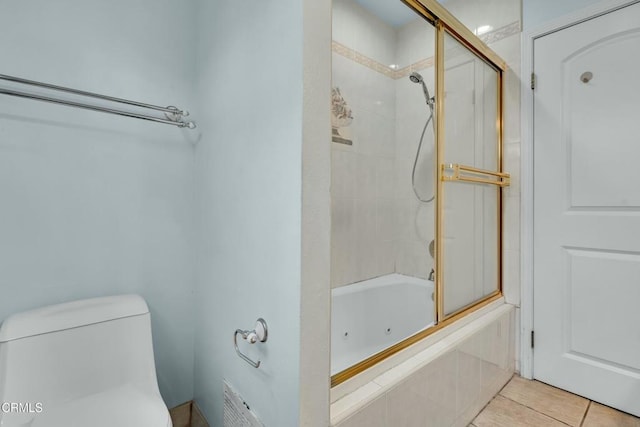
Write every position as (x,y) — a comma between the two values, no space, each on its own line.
(173,115)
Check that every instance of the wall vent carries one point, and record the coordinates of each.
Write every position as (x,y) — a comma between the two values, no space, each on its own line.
(236,411)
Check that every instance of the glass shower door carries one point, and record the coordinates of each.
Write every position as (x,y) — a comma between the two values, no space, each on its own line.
(471,206)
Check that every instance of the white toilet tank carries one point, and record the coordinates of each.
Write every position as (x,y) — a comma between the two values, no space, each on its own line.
(81,363)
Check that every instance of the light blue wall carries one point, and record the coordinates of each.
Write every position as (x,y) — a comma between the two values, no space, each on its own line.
(249,203)
(93,204)
(538,12)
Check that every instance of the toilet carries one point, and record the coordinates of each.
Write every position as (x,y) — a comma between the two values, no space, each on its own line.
(79,364)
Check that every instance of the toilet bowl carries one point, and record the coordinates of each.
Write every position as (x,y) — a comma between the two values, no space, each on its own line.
(78,364)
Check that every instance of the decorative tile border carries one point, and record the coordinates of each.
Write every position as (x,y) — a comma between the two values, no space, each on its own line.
(501,33)
(374,65)
(416,66)
(361,59)
(347,52)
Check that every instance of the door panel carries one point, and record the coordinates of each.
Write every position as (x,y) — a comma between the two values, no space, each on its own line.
(602,115)
(587,209)
(594,275)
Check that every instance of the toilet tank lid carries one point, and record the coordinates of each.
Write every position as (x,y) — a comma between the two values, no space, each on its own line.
(71,315)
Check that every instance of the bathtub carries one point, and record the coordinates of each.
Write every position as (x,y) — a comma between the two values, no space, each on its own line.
(369,316)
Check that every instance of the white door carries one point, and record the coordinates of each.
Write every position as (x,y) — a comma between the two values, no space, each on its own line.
(587,209)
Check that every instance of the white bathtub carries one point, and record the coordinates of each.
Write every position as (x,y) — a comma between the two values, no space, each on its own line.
(369,316)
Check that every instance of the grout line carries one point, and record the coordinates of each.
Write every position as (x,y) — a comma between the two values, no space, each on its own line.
(482,410)
(550,416)
(535,410)
(491,400)
(584,416)
(529,407)
(505,386)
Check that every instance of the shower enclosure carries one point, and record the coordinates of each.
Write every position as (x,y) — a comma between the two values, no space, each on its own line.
(416,177)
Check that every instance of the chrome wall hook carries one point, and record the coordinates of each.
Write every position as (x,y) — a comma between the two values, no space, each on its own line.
(259,333)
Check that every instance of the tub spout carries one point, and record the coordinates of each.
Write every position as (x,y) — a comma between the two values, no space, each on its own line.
(432,275)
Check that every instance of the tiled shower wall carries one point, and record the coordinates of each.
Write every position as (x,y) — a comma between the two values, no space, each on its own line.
(362,182)
(379,226)
(415,219)
(362,179)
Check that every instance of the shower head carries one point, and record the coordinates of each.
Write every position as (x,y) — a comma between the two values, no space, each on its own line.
(416,77)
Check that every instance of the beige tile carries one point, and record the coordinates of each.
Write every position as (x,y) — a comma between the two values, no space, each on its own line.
(181,415)
(441,394)
(372,415)
(469,414)
(603,416)
(197,419)
(502,412)
(556,403)
(494,379)
(469,376)
(406,402)
(349,403)
(511,269)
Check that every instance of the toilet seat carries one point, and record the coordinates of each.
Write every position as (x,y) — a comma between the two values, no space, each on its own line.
(124,406)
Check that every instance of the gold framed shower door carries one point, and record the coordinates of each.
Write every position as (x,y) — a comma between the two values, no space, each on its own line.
(445,23)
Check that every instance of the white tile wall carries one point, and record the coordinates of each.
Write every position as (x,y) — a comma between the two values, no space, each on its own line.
(373,415)
(363,175)
(509,49)
(356,27)
(517,340)
(416,220)
(415,41)
(362,184)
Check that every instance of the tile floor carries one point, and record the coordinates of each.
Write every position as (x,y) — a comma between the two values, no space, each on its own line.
(187,415)
(531,403)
